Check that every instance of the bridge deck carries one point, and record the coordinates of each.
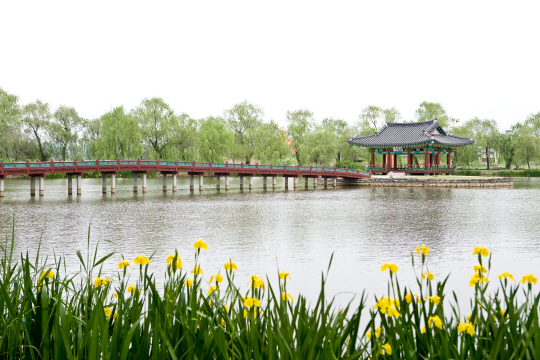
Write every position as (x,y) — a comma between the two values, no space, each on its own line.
(172,167)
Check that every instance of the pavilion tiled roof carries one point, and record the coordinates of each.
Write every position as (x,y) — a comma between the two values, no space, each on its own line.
(406,134)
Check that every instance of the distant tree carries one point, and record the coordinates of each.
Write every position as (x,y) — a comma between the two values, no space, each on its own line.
(343,133)
(65,127)
(527,144)
(300,124)
(119,135)
(244,119)
(157,122)
(486,134)
(506,147)
(184,137)
(465,155)
(36,118)
(215,140)
(272,144)
(371,117)
(319,146)
(10,124)
(429,111)
(391,115)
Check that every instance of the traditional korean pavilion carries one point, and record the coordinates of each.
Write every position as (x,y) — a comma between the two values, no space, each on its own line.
(427,138)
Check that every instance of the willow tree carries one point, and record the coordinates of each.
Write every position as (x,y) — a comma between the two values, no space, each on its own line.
(319,146)
(10,124)
(429,110)
(215,140)
(65,127)
(36,118)
(119,136)
(272,145)
(245,120)
(157,123)
(299,124)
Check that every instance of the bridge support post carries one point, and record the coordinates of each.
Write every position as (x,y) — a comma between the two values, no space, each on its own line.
(191,183)
(250,180)
(334,182)
(306,184)
(286,183)
(201,182)
(41,185)
(1,187)
(32,186)
(295,183)
(274,182)
(314,183)
(143,182)
(135,187)
(164,182)
(79,181)
(113,183)
(174,183)
(103,183)
(241,183)
(218,180)
(264,182)
(226,183)
(70,184)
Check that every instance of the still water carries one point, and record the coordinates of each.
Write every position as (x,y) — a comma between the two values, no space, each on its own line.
(297,231)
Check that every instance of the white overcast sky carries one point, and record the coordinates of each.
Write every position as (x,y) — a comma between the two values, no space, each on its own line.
(477,58)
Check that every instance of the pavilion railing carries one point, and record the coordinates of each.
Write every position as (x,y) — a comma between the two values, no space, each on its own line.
(412,168)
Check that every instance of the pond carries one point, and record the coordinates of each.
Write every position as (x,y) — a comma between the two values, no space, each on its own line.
(297,231)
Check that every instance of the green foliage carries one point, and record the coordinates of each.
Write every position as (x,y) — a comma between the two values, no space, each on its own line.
(37,118)
(64,129)
(428,111)
(48,314)
(350,165)
(318,147)
(119,136)
(245,121)
(214,141)
(520,173)
(300,123)
(468,172)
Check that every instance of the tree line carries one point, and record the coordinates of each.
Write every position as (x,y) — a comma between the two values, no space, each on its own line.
(241,134)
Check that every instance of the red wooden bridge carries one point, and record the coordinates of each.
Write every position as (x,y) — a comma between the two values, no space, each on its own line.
(76,169)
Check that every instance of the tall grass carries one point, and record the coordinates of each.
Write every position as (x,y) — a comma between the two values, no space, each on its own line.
(520,173)
(46,315)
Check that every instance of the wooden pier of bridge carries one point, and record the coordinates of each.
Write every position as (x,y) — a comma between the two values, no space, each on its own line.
(76,168)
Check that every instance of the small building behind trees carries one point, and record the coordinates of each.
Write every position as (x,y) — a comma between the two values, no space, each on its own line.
(411,148)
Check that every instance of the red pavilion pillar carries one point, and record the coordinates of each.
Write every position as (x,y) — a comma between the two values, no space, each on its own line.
(395,162)
(448,159)
(384,160)
(372,158)
(438,159)
(426,159)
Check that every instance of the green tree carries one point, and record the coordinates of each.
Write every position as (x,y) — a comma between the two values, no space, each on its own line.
(371,119)
(506,147)
(343,133)
(184,137)
(527,144)
(428,111)
(11,139)
(300,124)
(215,140)
(391,115)
(119,135)
(157,123)
(486,134)
(465,155)
(37,118)
(244,119)
(319,146)
(272,144)
(65,128)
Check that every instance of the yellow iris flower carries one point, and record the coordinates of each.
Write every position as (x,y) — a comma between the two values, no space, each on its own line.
(256,281)
(172,257)
(250,302)
(529,278)
(422,250)
(230,266)
(377,333)
(481,250)
(197,270)
(476,278)
(409,298)
(189,282)
(387,349)
(506,275)
(392,267)
(107,311)
(435,320)
(468,327)
(286,296)
(131,288)
(49,272)
(429,275)
(434,299)
(284,275)
(387,306)
(199,244)
(123,264)
(480,268)
(141,260)
(254,312)
(212,289)
(101,281)
(116,295)
(218,277)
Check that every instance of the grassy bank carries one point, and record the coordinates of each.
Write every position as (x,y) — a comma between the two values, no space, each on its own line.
(47,314)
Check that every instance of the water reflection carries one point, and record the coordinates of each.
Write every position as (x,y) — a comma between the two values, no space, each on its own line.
(295,230)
